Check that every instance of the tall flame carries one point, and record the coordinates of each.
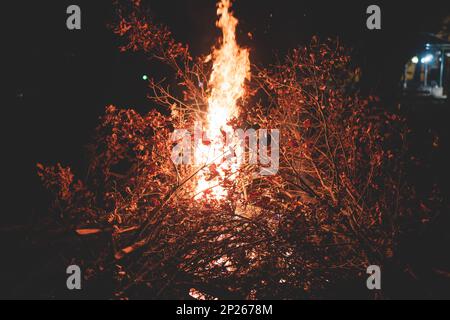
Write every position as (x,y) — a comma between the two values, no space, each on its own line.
(231,67)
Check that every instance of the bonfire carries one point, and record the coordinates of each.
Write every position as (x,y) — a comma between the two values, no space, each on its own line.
(213,229)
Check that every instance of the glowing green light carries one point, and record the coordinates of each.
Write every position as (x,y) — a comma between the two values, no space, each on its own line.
(145,77)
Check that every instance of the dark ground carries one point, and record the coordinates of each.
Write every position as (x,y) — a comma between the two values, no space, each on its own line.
(61,81)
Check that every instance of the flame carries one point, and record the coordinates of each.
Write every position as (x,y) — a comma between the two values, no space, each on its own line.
(231,67)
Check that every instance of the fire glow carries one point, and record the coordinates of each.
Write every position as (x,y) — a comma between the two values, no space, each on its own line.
(231,67)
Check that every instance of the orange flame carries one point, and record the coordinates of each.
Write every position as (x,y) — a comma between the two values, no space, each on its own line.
(231,67)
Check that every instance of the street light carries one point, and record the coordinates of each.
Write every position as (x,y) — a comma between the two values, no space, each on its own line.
(427,59)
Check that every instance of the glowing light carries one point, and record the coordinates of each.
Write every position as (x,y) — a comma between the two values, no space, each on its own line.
(415,60)
(145,77)
(231,67)
(427,59)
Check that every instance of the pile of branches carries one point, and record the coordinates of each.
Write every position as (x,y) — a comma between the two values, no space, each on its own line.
(337,205)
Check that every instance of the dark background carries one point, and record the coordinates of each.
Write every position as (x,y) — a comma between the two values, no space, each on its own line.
(60,81)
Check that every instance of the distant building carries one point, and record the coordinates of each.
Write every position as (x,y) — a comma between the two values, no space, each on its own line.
(427,73)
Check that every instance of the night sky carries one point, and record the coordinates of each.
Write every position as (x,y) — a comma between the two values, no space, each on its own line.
(62,80)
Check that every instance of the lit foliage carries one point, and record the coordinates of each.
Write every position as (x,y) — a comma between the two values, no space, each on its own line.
(336,206)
